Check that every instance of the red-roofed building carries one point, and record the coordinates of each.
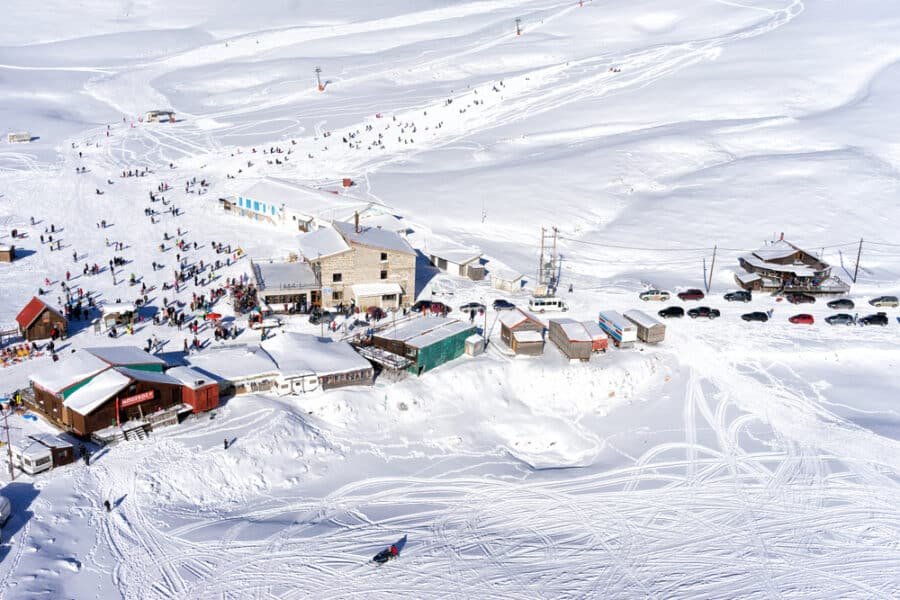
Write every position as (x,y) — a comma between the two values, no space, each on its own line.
(38,321)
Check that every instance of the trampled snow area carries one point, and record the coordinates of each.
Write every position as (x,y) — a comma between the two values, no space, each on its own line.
(733,460)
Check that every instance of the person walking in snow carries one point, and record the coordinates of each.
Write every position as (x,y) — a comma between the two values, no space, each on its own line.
(226,443)
(107,505)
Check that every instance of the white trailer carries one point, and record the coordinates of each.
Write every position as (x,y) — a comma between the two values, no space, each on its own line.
(622,331)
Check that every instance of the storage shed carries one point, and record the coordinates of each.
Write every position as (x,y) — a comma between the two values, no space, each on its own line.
(457,260)
(518,320)
(527,342)
(599,339)
(622,331)
(199,391)
(649,330)
(506,281)
(426,341)
(571,338)
(474,345)
(41,452)
(7,253)
(39,321)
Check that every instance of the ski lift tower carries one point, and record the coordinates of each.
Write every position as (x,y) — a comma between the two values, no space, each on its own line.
(319,79)
(548,268)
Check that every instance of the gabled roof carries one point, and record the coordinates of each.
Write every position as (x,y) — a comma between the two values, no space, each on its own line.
(517,316)
(100,389)
(71,368)
(322,242)
(455,253)
(148,376)
(373,237)
(777,249)
(573,330)
(125,356)
(284,276)
(641,318)
(33,310)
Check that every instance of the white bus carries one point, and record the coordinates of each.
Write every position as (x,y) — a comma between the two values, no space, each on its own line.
(544,304)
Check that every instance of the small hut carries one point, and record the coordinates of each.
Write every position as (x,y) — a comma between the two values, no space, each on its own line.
(39,321)
(649,330)
(199,391)
(474,345)
(571,338)
(118,314)
(519,321)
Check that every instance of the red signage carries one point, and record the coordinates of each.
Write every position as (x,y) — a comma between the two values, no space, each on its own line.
(137,399)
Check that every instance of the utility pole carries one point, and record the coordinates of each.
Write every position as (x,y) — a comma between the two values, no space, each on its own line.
(319,79)
(711,268)
(858,256)
(9,456)
(518,26)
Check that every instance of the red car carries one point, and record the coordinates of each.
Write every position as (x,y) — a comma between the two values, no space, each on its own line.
(802,319)
(692,294)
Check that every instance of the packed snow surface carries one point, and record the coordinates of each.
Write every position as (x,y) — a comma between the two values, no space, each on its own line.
(664,139)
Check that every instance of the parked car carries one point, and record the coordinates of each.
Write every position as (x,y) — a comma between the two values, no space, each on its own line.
(672,312)
(739,296)
(704,311)
(802,319)
(657,295)
(501,304)
(317,317)
(800,299)
(876,319)
(691,294)
(430,305)
(885,302)
(840,319)
(841,304)
(755,316)
(472,307)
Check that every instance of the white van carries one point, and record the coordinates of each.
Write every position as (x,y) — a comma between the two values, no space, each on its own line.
(5,510)
(544,304)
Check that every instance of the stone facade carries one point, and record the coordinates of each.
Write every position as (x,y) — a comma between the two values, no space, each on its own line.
(365,264)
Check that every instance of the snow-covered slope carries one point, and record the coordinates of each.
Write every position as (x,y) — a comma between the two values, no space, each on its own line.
(734,460)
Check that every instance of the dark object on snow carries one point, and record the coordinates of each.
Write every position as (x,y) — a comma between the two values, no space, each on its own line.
(107,505)
(393,551)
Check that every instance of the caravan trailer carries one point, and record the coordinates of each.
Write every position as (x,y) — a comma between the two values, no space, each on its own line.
(18,138)
(621,330)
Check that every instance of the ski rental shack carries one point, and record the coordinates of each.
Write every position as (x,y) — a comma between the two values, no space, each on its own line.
(649,330)
(622,331)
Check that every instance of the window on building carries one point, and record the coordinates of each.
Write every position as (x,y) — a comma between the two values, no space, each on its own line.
(384,256)
(384,274)
(388,297)
(337,295)
(255,205)
(336,277)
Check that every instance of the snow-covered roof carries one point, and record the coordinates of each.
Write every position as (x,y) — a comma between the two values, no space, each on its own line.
(435,335)
(234,362)
(189,377)
(455,253)
(298,199)
(298,354)
(5,248)
(512,318)
(747,277)
(776,250)
(70,369)
(100,389)
(374,237)
(616,318)
(30,449)
(385,221)
(575,331)
(423,331)
(505,274)
(594,330)
(50,440)
(125,356)
(284,276)
(322,242)
(797,268)
(363,290)
(641,318)
(528,336)
(148,376)
(117,309)
(474,338)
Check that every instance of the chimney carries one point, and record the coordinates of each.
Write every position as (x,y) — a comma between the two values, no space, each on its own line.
(356,221)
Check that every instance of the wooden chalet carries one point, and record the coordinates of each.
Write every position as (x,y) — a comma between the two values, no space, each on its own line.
(782,267)
(522,331)
(39,321)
